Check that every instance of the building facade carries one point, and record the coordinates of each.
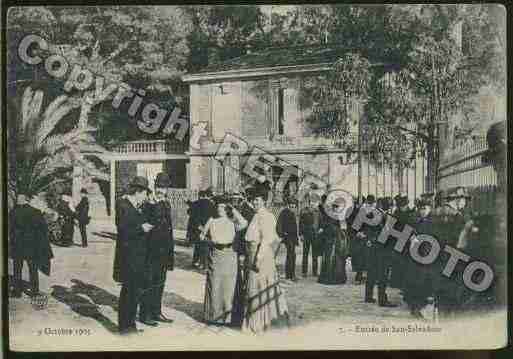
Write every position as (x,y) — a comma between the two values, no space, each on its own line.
(258,98)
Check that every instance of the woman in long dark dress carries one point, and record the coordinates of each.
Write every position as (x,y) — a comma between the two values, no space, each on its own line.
(334,250)
(67,220)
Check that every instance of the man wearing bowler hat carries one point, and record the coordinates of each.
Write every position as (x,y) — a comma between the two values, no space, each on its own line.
(132,246)
(160,251)
(449,222)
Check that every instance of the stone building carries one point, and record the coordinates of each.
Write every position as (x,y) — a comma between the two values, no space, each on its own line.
(257,97)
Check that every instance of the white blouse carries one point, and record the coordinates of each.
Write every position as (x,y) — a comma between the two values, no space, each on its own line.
(222,230)
(262,228)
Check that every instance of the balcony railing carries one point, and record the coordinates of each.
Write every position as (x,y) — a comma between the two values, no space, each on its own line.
(153,146)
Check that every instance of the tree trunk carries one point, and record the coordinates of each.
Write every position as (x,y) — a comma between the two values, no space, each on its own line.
(400,177)
(78,172)
(432,161)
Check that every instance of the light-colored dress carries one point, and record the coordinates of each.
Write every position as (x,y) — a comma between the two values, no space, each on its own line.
(265,299)
(221,271)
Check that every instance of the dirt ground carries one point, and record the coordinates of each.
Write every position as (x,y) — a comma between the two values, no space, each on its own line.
(81,294)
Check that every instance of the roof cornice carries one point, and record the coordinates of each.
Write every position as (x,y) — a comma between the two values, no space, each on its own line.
(256,72)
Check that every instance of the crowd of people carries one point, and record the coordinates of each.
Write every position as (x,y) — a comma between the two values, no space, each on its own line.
(445,217)
(236,239)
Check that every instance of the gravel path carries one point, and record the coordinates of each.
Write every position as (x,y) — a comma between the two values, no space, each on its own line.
(82,294)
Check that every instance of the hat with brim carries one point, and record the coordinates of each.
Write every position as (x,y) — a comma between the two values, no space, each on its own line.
(458,192)
(370,199)
(162,180)
(423,203)
(402,201)
(140,182)
(386,203)
(427,196)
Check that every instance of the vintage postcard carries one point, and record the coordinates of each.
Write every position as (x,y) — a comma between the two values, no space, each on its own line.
(256,177)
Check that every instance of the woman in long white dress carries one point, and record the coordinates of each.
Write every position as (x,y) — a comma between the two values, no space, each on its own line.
(265,300)
(222,264)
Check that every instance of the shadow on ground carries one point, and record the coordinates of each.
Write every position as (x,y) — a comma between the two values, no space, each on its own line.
(181,304)
(183,260)
(82,306)
(105,234)
(98,295)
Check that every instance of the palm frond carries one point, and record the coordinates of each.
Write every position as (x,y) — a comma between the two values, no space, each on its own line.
(60,173)
(49,122)
(30,108)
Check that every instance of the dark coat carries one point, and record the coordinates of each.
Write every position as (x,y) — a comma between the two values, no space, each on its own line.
(200,211)
(448,223)
(239,243)
(131,247)
(160,238)
(286,226)
(366,252)
(82,211)
(67,218)
(307,224)
(357,247)
(418,278)
(335,250)
(399,261)
(29,238)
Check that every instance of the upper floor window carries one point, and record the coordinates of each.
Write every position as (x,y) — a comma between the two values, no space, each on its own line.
(281,111)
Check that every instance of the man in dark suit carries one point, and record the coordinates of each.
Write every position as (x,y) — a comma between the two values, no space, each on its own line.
(405,216)
(160,249)
(132,245)
(309,226)
(377,259)
(449,223)
(82,214)
(286,227)
(418,278)
(28,241)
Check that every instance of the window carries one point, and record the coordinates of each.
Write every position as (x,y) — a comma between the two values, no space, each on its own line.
(281,111)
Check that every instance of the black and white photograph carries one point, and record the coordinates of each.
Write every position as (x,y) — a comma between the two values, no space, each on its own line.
(255,177)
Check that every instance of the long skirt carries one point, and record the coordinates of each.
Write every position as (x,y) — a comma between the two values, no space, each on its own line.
(68,228)
(333,265)
(239,296)
(220,286)
(358,251)
(265,299)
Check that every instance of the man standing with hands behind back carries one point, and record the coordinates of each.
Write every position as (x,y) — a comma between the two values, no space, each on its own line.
(132,228)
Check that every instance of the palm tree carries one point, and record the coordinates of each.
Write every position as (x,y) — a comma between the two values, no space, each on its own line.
(38,156)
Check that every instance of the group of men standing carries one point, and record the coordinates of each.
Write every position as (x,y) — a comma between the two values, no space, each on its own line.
(144,252)
(449,223)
